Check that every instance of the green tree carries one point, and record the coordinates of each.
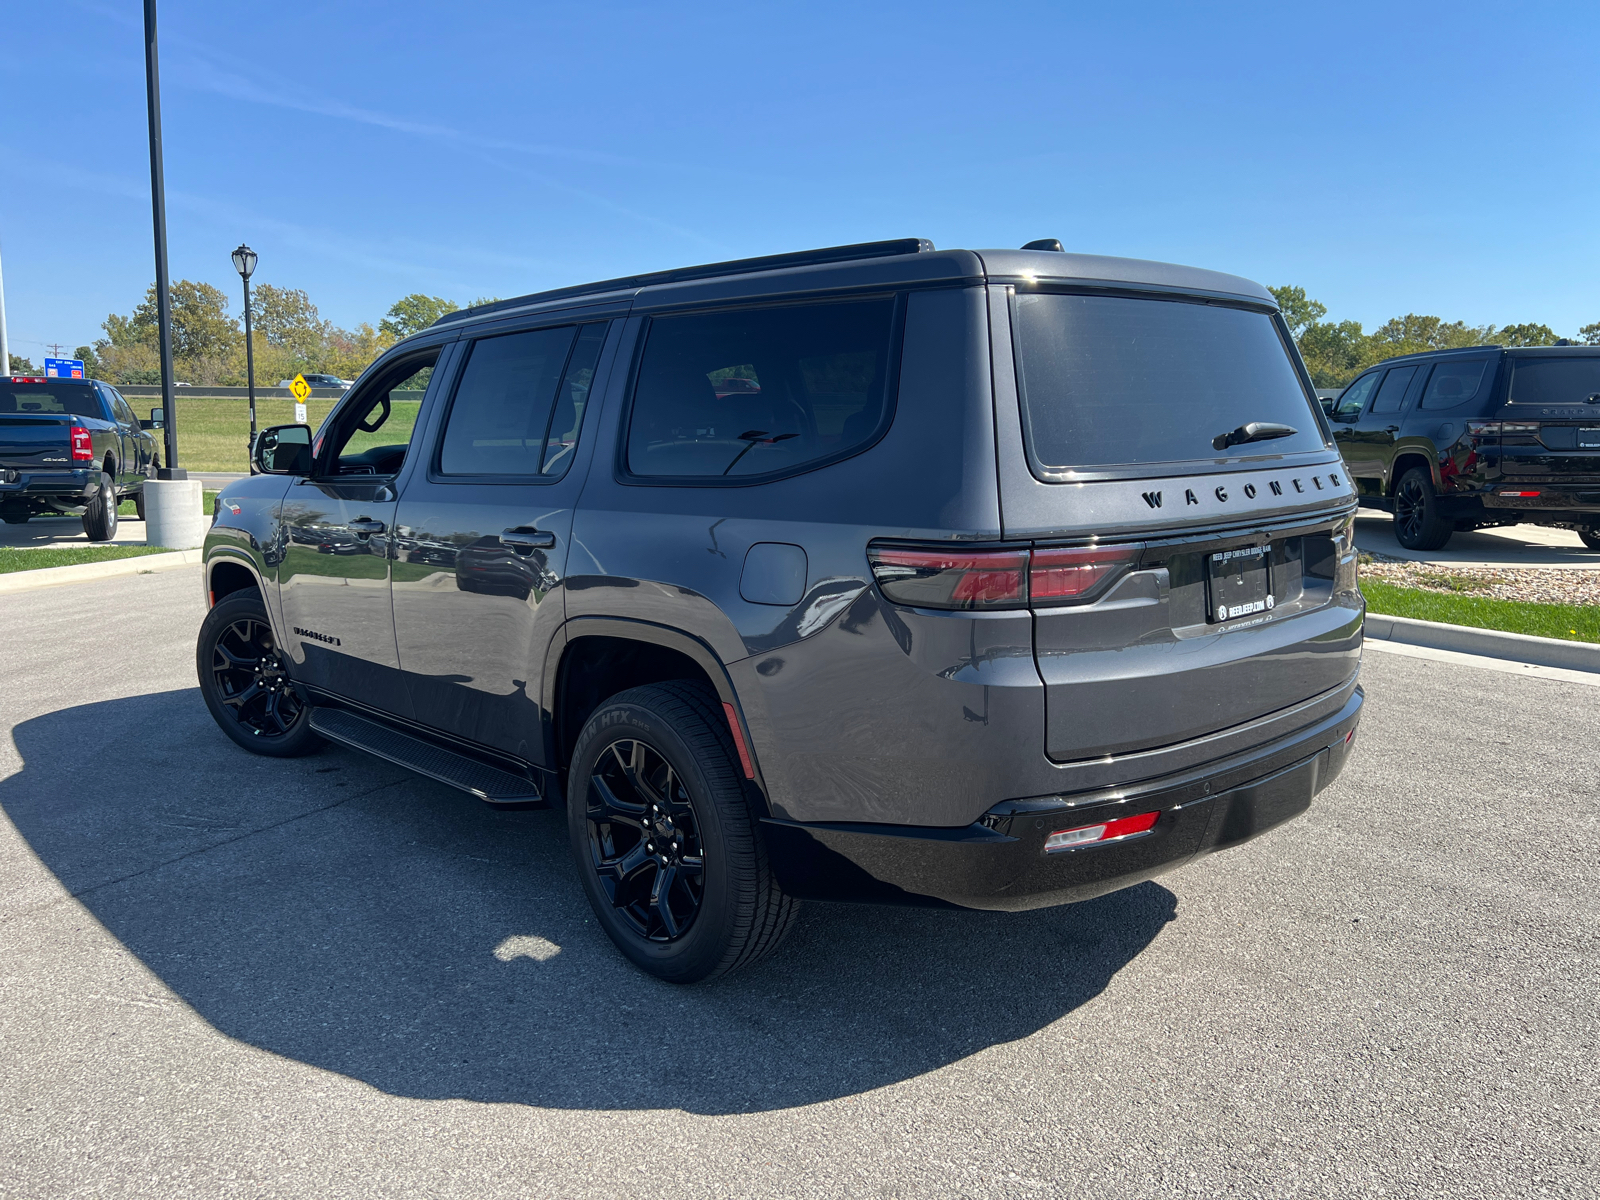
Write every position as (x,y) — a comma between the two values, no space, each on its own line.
(414,313)
(1335,352)
(201,326)
(1299,311)
(1590,334)
(1526,335)
(91,364)
(21,366)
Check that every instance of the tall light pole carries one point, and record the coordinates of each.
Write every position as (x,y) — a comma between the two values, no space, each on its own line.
(158,205)
(5,346)
(244,262)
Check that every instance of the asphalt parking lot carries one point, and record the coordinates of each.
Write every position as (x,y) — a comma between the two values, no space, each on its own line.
(224,975)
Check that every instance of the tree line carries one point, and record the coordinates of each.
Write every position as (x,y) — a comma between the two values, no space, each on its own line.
(1337,351)
(288,334)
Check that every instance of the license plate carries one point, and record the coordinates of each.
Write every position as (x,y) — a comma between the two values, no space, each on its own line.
(1589,439)
(1239,583)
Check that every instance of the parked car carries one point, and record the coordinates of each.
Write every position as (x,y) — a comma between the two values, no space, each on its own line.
(1467,439)
(71,447)
(1007,579)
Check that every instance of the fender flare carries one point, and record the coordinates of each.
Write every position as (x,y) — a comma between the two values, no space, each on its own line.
(686,644)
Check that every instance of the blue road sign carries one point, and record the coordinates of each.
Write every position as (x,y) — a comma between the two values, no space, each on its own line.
(63,368)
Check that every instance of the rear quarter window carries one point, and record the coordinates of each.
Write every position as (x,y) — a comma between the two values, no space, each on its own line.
(760,392)
(1111,381)
(1454,383)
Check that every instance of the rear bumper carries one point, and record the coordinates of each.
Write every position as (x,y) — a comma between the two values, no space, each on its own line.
(1000,862)
(1555,502)
(19,485)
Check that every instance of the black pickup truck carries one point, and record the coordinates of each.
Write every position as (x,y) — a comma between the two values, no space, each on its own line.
(71,446)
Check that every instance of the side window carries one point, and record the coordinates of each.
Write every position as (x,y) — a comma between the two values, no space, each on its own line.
(1454,383)
(572,397)
(373,432)
(760,390)
(1392,395)
(124,413)
(1355,396)
(500,418)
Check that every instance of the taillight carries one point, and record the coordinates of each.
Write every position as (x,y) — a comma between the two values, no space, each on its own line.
(82,445)
(1115,830)
(960,579)
(1503,428)
(995,579)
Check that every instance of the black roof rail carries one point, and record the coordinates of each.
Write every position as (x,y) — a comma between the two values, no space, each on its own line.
(737,266)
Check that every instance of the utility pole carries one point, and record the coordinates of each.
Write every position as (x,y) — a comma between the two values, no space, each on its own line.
(158,205)
(5,346)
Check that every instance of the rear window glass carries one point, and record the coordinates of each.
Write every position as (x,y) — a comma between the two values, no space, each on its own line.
(51,400)
(759,390)
(1392,395)
(1454,383)
(1113,381)
(1555,380)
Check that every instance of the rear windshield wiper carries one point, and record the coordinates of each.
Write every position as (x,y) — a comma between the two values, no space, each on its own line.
(1255,431)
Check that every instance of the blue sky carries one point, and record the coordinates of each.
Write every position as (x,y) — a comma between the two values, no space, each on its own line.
(1390,158)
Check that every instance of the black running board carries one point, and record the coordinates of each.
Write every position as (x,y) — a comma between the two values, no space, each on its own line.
(486,782)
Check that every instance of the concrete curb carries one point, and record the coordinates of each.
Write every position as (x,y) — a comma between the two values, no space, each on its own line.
(1490,643)
(24,581)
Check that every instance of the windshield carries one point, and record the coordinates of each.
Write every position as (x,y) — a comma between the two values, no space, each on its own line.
(1556,380)
(1113,381)
(51,400)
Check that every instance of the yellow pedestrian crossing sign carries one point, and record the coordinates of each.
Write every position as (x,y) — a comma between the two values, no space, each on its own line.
(299,388)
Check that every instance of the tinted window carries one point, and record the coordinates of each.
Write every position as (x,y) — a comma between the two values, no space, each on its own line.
(1355,396)
(1108,380)
(1454,383)
(571,399)
(52,399)
(501,414)
(1392,395)
(1555,380)
(759,390)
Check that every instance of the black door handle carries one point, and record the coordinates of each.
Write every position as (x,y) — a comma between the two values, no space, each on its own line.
(524,540)
(1391,429)
(366,525)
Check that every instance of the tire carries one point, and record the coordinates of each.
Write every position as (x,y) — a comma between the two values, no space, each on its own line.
(667,746)
(100,517)
(244,683)
(16,518)
(138,503)
(1418,524)
(1591,538)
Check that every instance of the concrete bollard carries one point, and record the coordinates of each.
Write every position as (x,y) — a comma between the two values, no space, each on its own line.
(172,514)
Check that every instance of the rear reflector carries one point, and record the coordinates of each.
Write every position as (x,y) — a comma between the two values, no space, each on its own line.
(995,579)
(1524,495)
(1109,831)
(82,445)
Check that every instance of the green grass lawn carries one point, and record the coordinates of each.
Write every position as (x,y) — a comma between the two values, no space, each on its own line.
(214,434)
(1570,622)
(22,559)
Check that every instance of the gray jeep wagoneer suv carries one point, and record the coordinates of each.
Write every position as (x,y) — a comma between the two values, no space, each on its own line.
(994,579)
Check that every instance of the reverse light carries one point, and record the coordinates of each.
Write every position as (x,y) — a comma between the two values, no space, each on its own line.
(1117,830)
(995,579)
(82,445)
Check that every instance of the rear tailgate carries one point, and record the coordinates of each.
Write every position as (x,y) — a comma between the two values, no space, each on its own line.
(1550,425)
(1236,599)
(35,443)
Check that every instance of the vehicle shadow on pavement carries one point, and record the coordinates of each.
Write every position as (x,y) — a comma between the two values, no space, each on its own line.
(340,912)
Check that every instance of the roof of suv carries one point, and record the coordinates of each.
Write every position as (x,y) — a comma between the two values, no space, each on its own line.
(904,260)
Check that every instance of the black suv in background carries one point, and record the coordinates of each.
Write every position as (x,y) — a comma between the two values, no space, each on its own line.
(1467,439)
(995,579)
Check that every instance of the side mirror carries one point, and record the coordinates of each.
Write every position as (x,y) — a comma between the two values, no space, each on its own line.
(283,450)
(158,419)
(1329,403)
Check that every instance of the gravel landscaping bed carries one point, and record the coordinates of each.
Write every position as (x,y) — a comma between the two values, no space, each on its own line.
(1529,585)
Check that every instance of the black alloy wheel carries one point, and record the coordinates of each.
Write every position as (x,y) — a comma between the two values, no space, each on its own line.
(1418,524)
(1591,538)
(246,683)
(644,841)
(664,838)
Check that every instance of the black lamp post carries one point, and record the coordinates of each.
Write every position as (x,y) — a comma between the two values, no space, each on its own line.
(244,262)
